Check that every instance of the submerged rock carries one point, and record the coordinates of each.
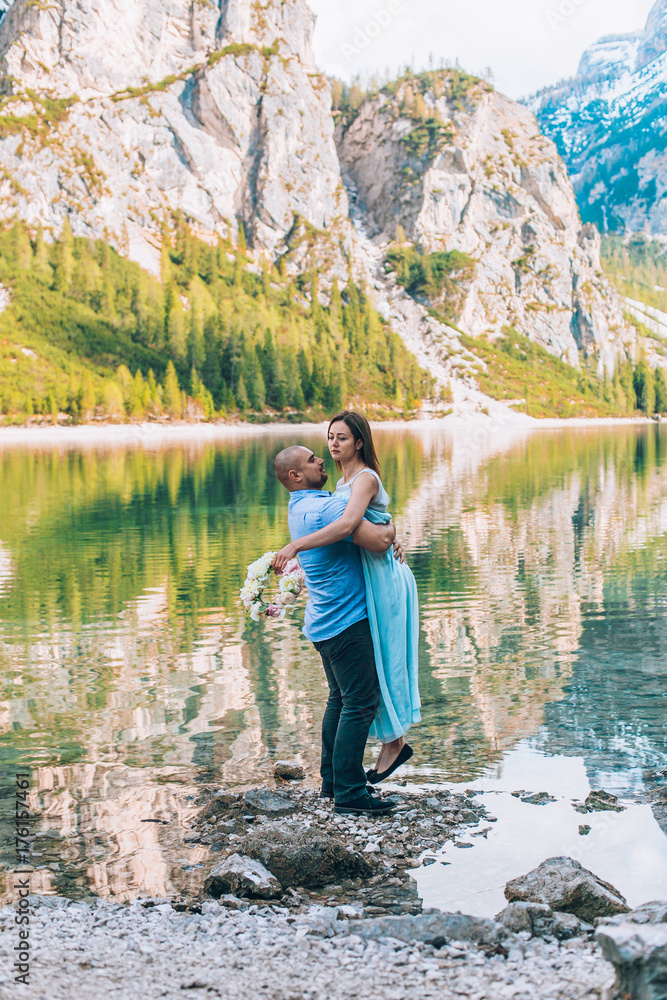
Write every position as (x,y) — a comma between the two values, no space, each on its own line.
(299,856)
(563,884)
(289,770)
(639,954)
(534,798)
(538,799)
(600,801)
(242,876)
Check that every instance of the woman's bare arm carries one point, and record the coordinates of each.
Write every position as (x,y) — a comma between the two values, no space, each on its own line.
(364,488)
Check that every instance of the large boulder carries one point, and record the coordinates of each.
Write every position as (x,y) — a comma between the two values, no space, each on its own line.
(302,857)
(563,884)
(639,954)
(434,928)
(242,876)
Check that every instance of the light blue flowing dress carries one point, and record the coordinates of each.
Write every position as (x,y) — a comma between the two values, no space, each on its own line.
(393,616)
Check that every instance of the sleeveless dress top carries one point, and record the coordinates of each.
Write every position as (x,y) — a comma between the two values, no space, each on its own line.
(393,616)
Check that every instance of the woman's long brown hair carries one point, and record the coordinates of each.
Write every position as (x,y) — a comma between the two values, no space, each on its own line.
(361,431)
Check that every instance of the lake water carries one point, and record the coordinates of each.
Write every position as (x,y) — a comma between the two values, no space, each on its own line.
(130,675)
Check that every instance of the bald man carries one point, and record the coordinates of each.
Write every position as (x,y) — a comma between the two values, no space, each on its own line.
(336,622)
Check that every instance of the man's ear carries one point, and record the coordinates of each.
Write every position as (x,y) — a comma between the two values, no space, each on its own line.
(294,476)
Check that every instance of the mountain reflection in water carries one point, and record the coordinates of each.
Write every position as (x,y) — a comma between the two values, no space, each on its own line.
(130,675)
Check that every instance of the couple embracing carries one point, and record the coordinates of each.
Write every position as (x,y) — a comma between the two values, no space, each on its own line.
(362,614)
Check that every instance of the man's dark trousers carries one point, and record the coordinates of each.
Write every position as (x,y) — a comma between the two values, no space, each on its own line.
(354,695)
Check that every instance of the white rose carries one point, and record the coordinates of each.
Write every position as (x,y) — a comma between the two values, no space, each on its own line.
(256,611)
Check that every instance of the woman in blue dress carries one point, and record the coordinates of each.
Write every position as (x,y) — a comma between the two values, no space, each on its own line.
(391,591)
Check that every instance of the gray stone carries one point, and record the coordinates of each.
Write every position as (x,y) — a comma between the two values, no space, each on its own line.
(654,912)
(538,799)
(639,954)
(233,902)
(242,876)
(322,921)
(263,800)
(437,928)
(563,884)
(566,925)
(289,770)
(600,801)
(299,856)
(539,920)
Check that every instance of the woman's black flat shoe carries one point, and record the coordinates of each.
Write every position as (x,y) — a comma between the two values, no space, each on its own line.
(405,754)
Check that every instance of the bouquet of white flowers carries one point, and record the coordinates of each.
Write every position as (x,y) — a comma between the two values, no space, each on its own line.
(290,585)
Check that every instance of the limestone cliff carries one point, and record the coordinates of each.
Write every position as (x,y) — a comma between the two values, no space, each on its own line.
(117,113)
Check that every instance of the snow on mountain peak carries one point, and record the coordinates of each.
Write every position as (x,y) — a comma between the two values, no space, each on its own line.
(654,42)
(610,126)
(611,55)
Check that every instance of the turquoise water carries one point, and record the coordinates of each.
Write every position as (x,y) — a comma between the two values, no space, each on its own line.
(131,676)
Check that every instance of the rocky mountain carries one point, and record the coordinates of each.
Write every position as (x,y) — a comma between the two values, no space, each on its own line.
(610,127)
(471,177)
(118,117)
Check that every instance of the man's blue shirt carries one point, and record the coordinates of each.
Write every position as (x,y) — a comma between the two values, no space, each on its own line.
(334,574)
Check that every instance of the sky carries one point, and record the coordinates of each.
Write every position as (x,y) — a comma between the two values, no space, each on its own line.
(526,44)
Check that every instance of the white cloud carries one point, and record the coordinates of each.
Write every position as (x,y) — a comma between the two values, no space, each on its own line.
(527,44)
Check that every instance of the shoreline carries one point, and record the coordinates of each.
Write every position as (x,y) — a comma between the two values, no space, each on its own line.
(366,929)
(158,435)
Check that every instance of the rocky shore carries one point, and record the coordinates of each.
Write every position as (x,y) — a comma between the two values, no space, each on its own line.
(303,903)
(316,856)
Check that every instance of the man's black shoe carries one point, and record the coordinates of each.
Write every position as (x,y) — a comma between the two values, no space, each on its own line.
(327,793)
(366,804)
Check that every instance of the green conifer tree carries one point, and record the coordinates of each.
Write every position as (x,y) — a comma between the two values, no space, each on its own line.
(165,255)
(241,395)
(63,257)
(171,394)
(660,391)
(42,266)
(52,408)
(644,386)
(126,382)
(139,396)
(87,398)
